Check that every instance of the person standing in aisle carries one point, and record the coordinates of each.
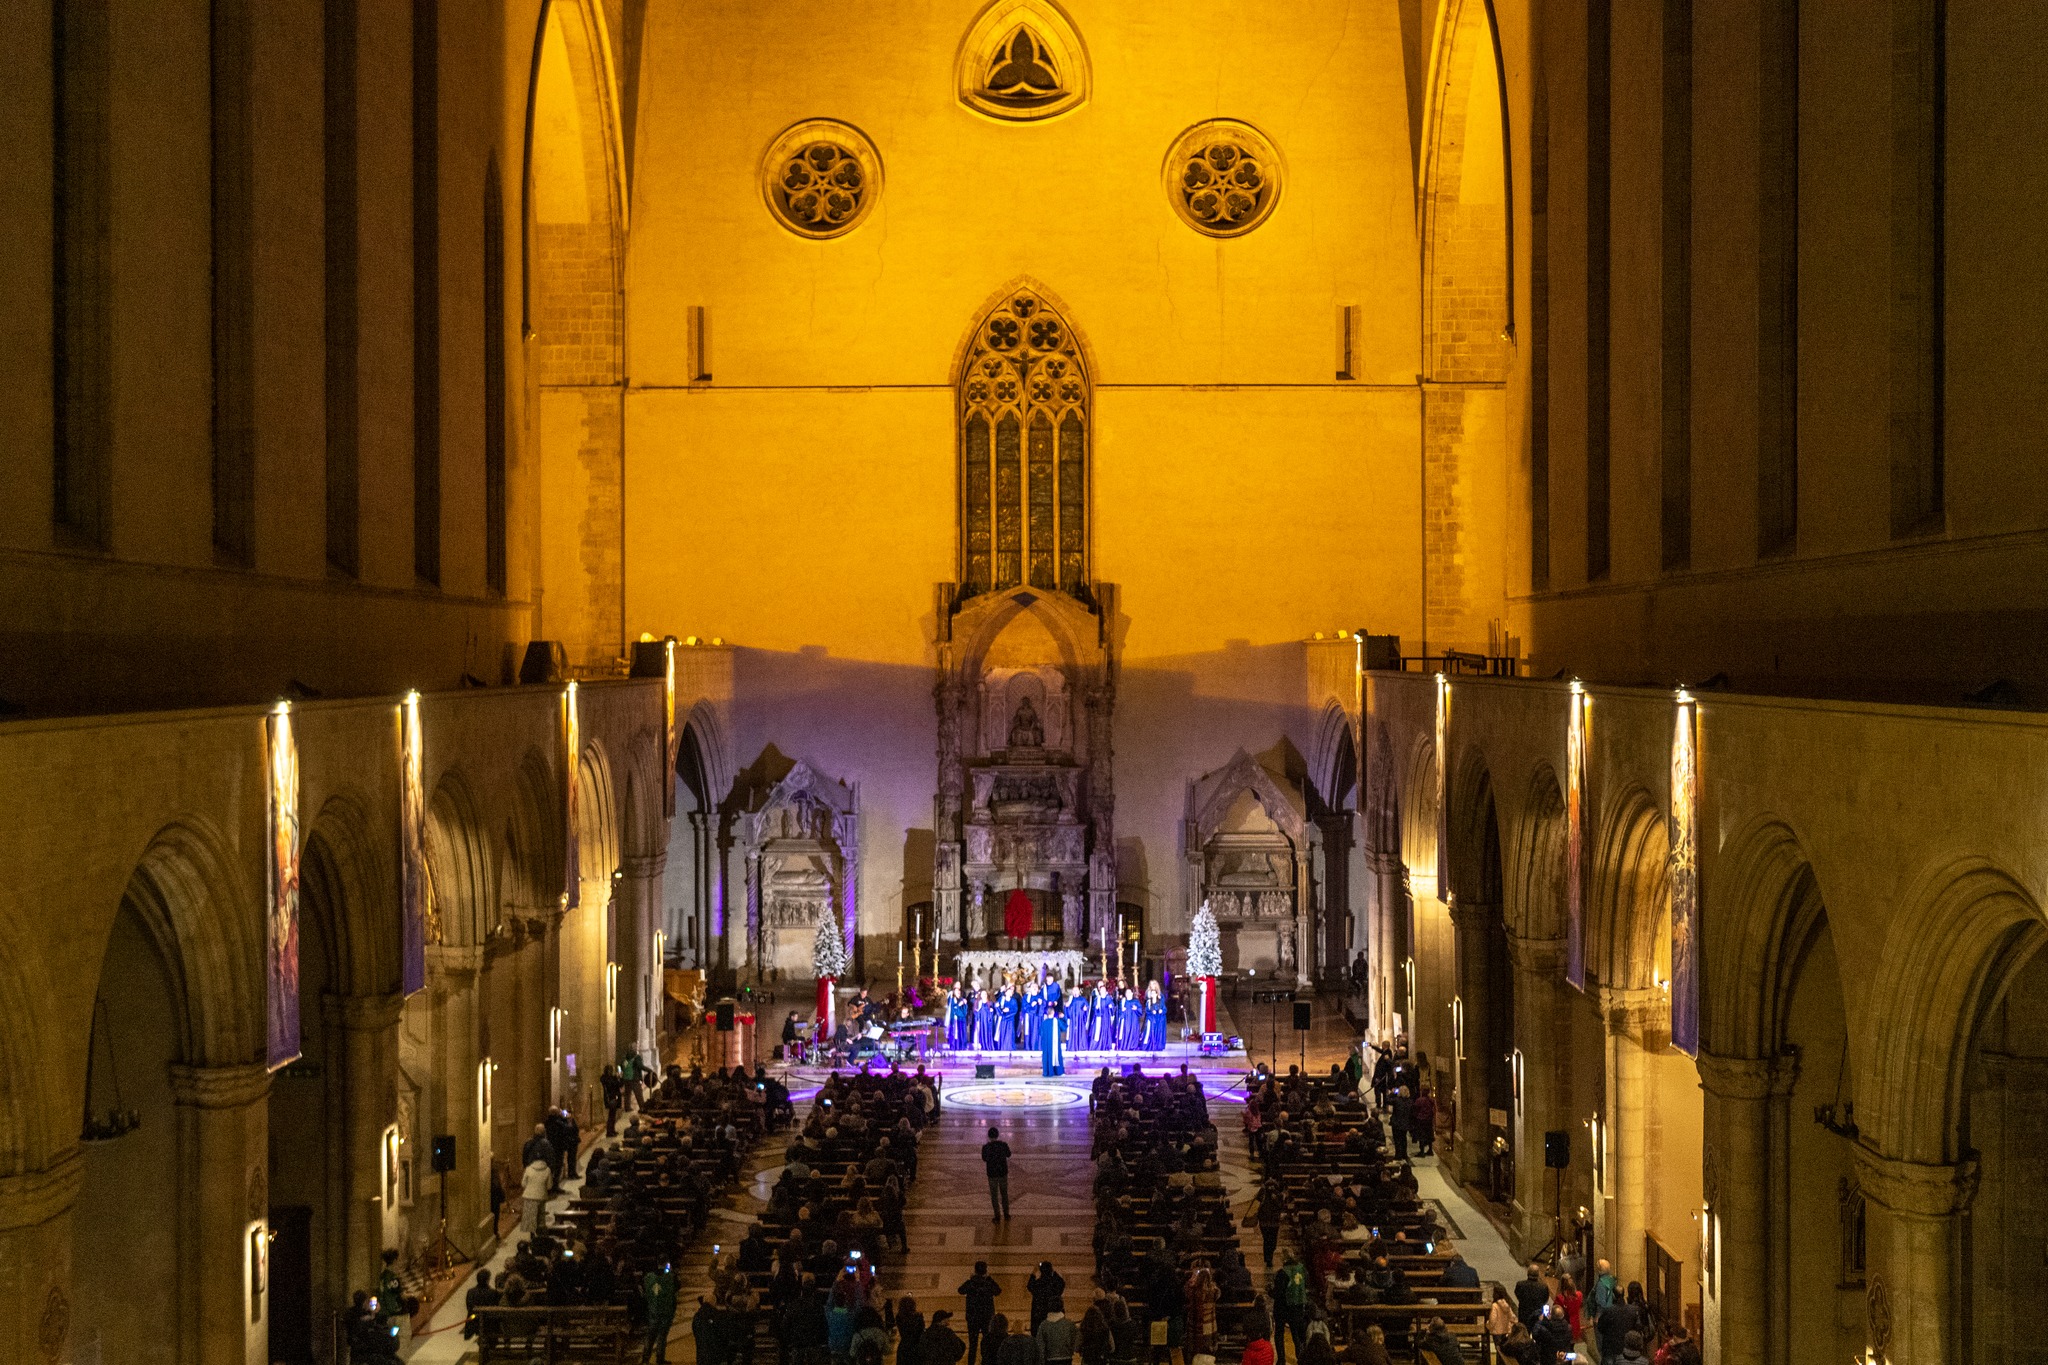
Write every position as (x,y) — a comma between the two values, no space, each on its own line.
(995,1159)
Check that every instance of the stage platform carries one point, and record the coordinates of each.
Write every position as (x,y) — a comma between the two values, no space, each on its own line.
(1222,1073)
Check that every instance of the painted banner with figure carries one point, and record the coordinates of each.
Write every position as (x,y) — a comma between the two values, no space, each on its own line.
(1685,878)
(416,910)
(672,739)
(281,868)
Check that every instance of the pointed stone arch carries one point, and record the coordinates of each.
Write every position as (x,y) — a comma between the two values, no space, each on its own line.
(459,862)
(1773,905)
(348,877)
(1536,890)
(1630,895)
(202,919)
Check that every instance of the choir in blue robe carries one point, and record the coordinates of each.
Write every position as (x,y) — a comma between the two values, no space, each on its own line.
(1052,1043)
(1130,1026)
(1155,1025)
(959,1021)
(1104,1010)
(1007,1010)
(1030,1010)
(985,1017)
(1080,1022)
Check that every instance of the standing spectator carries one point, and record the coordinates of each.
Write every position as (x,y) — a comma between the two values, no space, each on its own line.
(1200,1307)
(708,1333)
(940,1344)
(480,1295)
(1553,1335)
(1272,1207)
(1501,1317)
(1056,1336)
(1530,1296)
(909,1330)
(1570,1301)
(533,1189)
(1097,1342)
(1631,1351)
(1403,1122)
(562,1132)
(995,1159)
(614,1087)
(538,1148)
(1010,1348)
(980,1291)
(1290,1304)
(1422,1118)
(1046,1287)
(658,1291)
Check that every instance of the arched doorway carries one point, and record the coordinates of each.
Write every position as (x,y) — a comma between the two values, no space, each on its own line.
(687,919)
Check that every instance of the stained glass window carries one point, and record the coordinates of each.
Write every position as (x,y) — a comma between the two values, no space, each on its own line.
(1023,438)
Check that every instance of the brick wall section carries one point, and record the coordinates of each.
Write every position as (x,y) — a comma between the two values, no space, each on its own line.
(1445,502)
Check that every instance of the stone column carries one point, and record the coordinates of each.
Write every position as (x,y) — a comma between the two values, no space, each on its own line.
(1739,1318)
(35,1258)
(1469,924)
(1919,1217)
(362,1097)
(456,1042)
(1387,941)
(1304,952)
(1634,1020)
(1540,1038)
(640,982)
(223,1200)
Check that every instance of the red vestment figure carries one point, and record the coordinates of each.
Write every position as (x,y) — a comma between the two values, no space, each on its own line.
(1017,914)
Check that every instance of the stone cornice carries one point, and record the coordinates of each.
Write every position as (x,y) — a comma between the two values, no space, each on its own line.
(34,1197)
(1640,1013)
(1536,956)
(642,867)
(1747,1078)
(454,963)
(362,1013)
(219,1087)
(1916,1189)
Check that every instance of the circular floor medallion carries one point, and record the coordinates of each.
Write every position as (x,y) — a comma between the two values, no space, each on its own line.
(1013,1095)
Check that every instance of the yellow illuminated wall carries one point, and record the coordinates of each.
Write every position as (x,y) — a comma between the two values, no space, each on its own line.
(800,503)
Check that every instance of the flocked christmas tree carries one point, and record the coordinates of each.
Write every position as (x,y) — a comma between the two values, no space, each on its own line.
(829,954)
(1205,945)
(1205,962)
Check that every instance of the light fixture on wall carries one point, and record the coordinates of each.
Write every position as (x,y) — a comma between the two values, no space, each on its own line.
(115,1120)
(1838,1119)
(611,987)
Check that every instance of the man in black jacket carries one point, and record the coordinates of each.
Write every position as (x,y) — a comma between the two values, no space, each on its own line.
(995,1158)
(980,1291)
(1531,1293)
(940,1344)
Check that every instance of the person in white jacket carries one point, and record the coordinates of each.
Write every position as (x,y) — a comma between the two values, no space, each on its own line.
(534,1189)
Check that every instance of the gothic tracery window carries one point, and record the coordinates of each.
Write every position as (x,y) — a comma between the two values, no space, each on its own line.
(1023,398)
(1223,177)
(821,178)
(1023,61)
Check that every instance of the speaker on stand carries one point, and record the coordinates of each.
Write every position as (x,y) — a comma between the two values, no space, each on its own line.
(1557,1155)
(444,1253)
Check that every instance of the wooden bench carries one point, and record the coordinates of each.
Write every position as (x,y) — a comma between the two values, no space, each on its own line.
(522,1335)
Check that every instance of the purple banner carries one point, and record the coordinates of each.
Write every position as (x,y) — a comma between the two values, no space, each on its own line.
(281,867)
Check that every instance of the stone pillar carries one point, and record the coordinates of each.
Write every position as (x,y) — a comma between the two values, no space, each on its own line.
(1635,1022)
(456,1049)
(1304,951)
(1540,1038)
(1739,1319)
(1469,924)
(1918,1217)
(35,1258)
(223,1200)
(1388,943)
(1334,946)
(362,1098)
(640,982)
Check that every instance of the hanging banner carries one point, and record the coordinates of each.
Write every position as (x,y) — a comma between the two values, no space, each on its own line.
(1575,838)
(572,772)
(1685,878)
(672,738)
(281,867)
(417,918)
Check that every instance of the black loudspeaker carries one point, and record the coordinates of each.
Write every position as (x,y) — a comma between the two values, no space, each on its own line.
(984,1071)
(1301,1016)
(725,1016)
(545,662)
(444,1153)
(1557,1149)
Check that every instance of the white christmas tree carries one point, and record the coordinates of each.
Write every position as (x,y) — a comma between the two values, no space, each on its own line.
(829,953)
(1205,945)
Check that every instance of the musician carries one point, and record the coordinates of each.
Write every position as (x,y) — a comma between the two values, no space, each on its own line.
(1155,1019)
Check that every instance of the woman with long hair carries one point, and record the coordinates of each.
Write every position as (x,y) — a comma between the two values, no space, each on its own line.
(1200,1307)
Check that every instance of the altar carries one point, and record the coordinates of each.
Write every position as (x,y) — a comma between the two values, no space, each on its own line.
(984,968)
